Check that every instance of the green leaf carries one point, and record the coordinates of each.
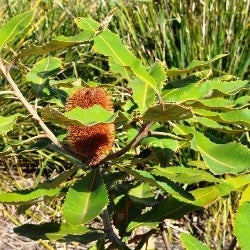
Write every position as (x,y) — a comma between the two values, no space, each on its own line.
(173,208)
(7,123)
(93,115)
(59,42)
(44,69)
(57,232)
(245,196)
(240,117)
(185,175)
(167,112)
(85,200)
(160,143)
(50,114)
(157,71)
(61,178)
(193,66)
(79,116)
(208,123)
(14,27)
(215,103)
(195,91)
(242,225)
(191,243)
(166,185)
(109,44)
(28,195)
(231,157)
(142,194)
(143,95)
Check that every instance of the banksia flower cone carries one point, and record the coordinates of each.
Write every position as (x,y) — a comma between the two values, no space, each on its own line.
(92,142)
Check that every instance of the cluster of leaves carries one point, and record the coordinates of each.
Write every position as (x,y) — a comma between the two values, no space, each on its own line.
(164,115)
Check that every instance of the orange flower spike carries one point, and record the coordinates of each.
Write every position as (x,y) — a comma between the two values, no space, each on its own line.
(92,142)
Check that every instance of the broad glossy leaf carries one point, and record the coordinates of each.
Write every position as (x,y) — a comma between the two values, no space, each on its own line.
(14,27)
(185,175)
(143,95)
(157,71)
(167,112)
(231,157)
(109,44)
(215,103)
(208,123)
(28,195)
(7,123)
(93,115)
(242,225)
(50,114)
(44,69)
(241,117)
(174,209)
(59,42)
(191,243)
(192,66)
(195,91)
(142,194)
(79,116)
(245,196)
(85,200)
(54,231)
(166,185)
(160,143)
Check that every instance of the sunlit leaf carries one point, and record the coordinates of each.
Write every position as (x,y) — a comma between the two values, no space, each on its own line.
(28,195)
(174,209)
(79,116)
(166,185)
(193,66)
(195,91)
(44,69)
(93,115)
(160,143)
(245,196)
(59,42)
(242,225)
(85,200)
(7,123)
(191,243)
(142,194)
(167,112)
(14,27)
(185,175)
(109,44)
(231,157)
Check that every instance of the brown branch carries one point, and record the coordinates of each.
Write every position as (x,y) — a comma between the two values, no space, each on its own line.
(108,229)
(164,237)
(142,133)
(28,106)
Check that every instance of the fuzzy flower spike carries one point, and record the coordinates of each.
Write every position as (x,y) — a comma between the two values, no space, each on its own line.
(92,142)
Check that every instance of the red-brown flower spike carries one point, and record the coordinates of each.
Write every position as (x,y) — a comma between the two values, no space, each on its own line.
(92,142)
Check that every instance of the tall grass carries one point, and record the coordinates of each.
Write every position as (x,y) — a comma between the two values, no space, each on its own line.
(175,32)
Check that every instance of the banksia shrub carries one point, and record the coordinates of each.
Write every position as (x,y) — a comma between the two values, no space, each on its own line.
(92,142)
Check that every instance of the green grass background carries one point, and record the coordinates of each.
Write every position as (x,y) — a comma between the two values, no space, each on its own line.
(175,32)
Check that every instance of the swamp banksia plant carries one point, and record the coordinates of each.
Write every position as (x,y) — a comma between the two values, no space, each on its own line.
(92,142)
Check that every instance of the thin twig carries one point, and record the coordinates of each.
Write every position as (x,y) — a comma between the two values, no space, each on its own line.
(142,133)
(7,92)
(108,229)
(164,237)
(28,106)
(166,134)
